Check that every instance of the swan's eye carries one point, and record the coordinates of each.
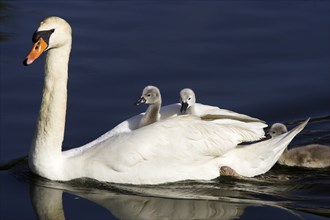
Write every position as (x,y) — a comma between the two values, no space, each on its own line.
(42,34)
(149,95)
(189,98)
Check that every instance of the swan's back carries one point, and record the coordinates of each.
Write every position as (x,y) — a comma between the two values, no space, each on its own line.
(208,112)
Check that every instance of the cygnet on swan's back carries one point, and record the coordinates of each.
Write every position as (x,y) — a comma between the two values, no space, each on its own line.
(150,95)
(205,112)
(188,100)
(191,107)
(312,155)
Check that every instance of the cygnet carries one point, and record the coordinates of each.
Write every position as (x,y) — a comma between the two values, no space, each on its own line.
(150,95)
(312,155)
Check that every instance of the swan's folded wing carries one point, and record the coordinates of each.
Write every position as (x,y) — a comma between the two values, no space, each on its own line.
(208,112)
(242,118)
(170,150)
(183,138)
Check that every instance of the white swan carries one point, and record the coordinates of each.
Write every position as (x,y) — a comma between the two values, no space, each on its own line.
(150,95)
(312,155)
(175,149)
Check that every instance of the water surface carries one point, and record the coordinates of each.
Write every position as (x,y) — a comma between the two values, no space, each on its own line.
(267,59)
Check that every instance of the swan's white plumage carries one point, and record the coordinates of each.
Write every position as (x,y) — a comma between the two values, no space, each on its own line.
(177,155)
(173,149)
(255,159)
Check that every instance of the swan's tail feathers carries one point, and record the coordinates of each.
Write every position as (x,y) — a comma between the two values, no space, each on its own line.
(287,137)
(284,139)
(279,144)
(258,158)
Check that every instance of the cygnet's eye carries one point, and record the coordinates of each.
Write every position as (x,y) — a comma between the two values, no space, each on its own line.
(148,94)
(189,98)
(274,132)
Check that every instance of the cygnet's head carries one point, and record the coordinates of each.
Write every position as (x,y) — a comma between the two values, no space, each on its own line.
(187,99)
(150,95)
(277,129)
(53,32)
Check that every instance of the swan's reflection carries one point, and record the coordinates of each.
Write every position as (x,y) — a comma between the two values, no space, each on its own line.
(138,207)
(225,198)
(47,202)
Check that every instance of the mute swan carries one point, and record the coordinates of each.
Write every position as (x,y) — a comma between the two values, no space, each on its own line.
(150,95)
(312,155)
(174,149)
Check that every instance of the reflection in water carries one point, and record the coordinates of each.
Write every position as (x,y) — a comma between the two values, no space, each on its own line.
(170,201)
(158,208)
(47,203)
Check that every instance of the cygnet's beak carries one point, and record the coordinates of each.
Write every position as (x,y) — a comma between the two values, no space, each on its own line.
(37,49)
(141,100)
(268,136)
(184,107)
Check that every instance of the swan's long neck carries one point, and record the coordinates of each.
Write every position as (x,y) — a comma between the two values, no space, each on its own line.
(46,149)
(151,115)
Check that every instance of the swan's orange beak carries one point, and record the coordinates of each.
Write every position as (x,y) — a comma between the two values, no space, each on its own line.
(36,51)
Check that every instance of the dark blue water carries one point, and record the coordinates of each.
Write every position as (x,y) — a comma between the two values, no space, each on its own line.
(267,59)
